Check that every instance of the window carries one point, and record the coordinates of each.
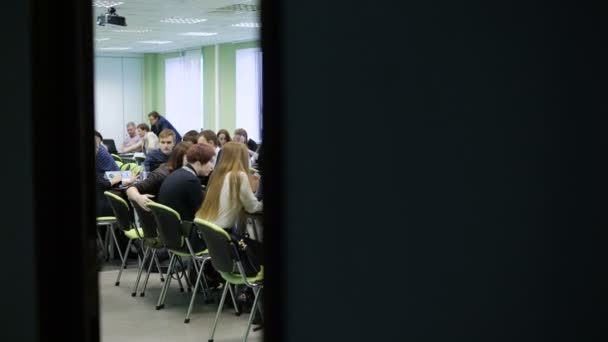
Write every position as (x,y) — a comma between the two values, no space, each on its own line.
(184,91)
(249,91)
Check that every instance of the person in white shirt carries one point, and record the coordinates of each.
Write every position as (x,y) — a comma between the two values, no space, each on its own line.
(148,140)
(230,189)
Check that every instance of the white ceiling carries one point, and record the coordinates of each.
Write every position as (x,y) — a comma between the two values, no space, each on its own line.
(146,16)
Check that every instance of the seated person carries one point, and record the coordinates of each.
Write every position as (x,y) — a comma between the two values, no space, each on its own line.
(160,156)
(181,190)
(131,139)
(191,136)
(99,140)
(208,137)
(102,205)
(103,160)
(230,189)
(148,188)
(240,135)
(223,137)
(260,163)
(148,141)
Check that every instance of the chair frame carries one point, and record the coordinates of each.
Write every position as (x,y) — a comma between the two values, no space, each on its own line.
(115,202)
(257,286)
(156,208)
(147,250)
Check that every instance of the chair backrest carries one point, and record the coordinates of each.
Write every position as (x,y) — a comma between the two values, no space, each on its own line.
(219,245)
(127,166)
(168,224)
(121,211)
(146,220)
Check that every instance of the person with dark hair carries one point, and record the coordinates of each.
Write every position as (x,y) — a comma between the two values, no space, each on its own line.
(102,205)
(99,140)
(103,160)
(181,190)
(158,123)
(208,137)
(148,188)
(148,141)
(191,136)
(157,157)
(223,137)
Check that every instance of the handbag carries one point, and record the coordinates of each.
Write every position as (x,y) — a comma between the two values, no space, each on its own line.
(250,253)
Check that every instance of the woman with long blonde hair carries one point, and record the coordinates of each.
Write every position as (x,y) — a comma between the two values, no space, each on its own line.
(230,191)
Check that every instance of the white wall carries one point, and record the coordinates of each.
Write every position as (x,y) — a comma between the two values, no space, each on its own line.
(249,91)
(184,91)
(119,85)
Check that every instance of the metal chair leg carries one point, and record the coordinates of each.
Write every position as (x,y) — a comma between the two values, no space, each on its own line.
(161,298)
(185,275)
(124,261)
(143,291)
(219,311)
(256,293)
(105,241)
(141,268)
(206,290)
(160,270)
(100,242)
(116,242)
(236,309)
(198,280)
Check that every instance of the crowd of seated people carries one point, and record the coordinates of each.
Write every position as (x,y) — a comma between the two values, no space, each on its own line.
(207,175)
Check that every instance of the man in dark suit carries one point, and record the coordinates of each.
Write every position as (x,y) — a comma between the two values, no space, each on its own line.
(158,123)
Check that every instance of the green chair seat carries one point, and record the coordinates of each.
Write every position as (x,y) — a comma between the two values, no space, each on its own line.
(133,233)
(106,218)
(152,242)
(186,253)
(237,279)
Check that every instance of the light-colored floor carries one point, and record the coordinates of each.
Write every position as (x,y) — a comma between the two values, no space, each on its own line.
(133,319)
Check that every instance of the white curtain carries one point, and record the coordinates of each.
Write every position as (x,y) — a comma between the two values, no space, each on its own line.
(184,91)
(249,91)
(119,84)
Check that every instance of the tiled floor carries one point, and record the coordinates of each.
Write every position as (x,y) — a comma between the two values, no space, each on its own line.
(126,318)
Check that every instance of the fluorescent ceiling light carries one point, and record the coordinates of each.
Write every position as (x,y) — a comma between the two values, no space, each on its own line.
(133,31)
(248,25)
(155,42)
(114,48)
(198,34)
(178,20)
(105,3)
(101,39)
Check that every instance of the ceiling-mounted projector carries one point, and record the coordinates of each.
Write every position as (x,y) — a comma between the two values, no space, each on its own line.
(111,18)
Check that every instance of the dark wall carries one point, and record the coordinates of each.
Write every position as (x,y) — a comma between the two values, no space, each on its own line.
(17,250)
(441,168)
(49,284)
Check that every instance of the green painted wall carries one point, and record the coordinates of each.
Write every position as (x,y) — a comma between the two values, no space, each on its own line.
(228,83)
(209,87)
(154,83)
(154,91)
(150,84)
